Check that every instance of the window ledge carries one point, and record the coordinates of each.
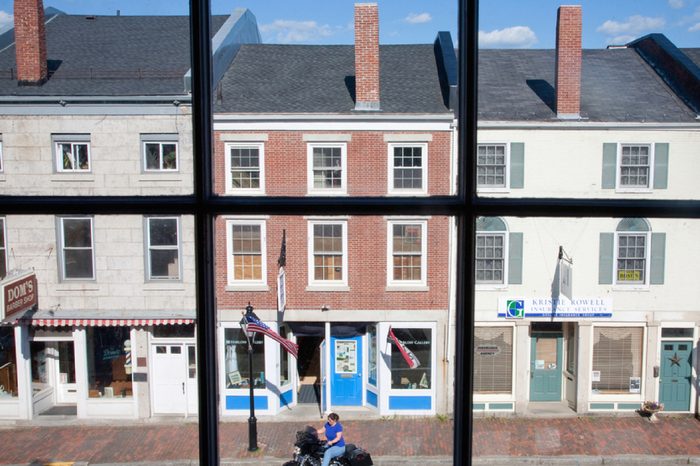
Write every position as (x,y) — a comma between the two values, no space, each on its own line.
(420,193)
(164,286)
(501,190)
(328,288)
(72,178)
(255,192)
(631,288)
(407,287)
(77,287)
(494,287)
(247,287)
(327,193)
(634,190)
(162,177)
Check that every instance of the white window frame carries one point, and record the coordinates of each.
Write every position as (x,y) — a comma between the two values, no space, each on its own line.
(501,397)
(618,169)
(490,188)
(485,285)
(3,245)
(2,164)
(246,285)
(150,248)
(424,169)
(74,140)
(63,248)
(343,167)
(160,141)
(629,285)
(261,168)
(337,285)
(402,284)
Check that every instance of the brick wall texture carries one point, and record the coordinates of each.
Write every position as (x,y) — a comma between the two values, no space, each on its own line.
(568,61)
(30,38)
(366,53)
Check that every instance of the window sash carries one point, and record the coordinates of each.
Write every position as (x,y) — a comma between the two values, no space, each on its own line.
(73,156)
(163,248)
(407,167)
(160,156)
(632,251)
(77,255)
(491,165)
(407,246)
(245,167)
(635,166)
(490,257)
(246,240)
(328,245)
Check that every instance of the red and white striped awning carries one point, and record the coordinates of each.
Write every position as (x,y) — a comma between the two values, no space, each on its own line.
(106,322)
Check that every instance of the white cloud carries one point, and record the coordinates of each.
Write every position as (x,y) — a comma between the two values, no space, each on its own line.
(621,40)
(694,28)
(288,31)
(6,21)
(634,25)
(418,18)
(676,4)
(516,36)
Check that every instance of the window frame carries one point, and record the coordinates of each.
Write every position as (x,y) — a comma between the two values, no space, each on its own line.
(229,189)
(327,285)
(149,249)
(431,392)
(160,139)
(310,189)
(3,248)
(423,191)
(392,283)
(485,188)
(619,187)
(57,140)
(2,160)
(246,285)
(62,256)
(501,396)
(622,396)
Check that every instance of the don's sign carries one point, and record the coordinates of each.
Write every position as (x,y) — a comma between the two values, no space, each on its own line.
(19,293)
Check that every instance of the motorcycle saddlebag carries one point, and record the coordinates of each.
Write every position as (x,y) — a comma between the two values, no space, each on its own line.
(359,457)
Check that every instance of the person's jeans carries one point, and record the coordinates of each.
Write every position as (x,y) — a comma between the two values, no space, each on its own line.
(332,452)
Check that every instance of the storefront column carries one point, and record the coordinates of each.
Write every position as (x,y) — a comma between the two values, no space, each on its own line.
(24,372)
(584,365)
(521,384)
(81,371)
(139,353)
(651,386)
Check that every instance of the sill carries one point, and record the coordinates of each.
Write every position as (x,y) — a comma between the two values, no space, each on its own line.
(407,193)
(494,287)
(638,287)
(161,177)
(632,397)
(247,287)
(406,287)
(634,190)
(72,178)
(255,192)
(501,190)
(329,287)
(78,286)
(327,193)
(155,285)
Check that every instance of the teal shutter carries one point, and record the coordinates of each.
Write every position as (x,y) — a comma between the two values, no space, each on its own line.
(605,262)
(658,258)
(661,165)
(515,258)
(609,165)
(517,165)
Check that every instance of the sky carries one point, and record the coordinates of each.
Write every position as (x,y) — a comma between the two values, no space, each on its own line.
(502,23)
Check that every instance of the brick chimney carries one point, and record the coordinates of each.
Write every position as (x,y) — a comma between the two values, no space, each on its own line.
(30,42)
(568,62)
(366,56)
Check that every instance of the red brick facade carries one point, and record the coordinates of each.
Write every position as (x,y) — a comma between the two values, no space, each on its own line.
(366,53)
(30,41)
(568,64)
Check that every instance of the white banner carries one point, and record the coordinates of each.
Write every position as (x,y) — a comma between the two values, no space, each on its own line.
(281,291)
(565,276)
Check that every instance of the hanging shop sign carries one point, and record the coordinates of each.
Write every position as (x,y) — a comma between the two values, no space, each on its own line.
(19,293)
(562,307)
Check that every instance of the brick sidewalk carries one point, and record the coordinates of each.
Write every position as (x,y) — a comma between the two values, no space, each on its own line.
(414,437)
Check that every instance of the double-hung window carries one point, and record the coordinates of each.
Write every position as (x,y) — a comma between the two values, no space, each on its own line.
(327,169)
(407,252)
(491,251)
(491,166)
(160,152)
(246,253)
(328,252)
(245,168)
(77,249)
(72,153)
(3,249)
(635,166)
(163,248)
(408,169)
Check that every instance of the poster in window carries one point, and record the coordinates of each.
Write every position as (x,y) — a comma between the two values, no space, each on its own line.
(635,384)
(345,357)
(595,376)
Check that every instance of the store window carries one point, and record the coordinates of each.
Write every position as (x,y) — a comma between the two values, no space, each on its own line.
(40,372)
(236,360)
(372,355)
(109,362)
(493,360)
(418,341)
(617,360)
(8,363)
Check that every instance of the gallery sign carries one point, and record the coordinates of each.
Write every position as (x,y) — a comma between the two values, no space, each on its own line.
(18,293)
(562,307)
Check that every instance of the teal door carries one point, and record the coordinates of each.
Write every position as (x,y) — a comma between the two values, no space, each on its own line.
(545,367)
(674,381)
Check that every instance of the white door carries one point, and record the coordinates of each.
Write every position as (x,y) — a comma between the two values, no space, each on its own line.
(169,379)
(66,389)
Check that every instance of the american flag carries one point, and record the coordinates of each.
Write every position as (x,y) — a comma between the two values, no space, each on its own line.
(256,325)
(407,354)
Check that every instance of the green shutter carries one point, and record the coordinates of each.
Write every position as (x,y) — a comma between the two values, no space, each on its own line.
(515,258)
(605,262)
(661,165)
(658,258)
(609,165)
(517,165)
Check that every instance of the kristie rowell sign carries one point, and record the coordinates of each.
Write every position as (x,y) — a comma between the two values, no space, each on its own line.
(522,308)
(19,293)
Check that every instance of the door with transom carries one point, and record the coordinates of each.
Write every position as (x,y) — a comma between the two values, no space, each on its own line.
(675,377)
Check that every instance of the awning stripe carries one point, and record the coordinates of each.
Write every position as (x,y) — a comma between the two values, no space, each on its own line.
(106,322)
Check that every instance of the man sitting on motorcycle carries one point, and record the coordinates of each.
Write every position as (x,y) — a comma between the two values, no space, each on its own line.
(335,442)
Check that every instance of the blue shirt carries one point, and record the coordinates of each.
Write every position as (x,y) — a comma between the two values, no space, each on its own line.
(332,433)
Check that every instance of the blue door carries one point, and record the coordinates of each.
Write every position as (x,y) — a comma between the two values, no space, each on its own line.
(545,367)
(674,381)
(346,371)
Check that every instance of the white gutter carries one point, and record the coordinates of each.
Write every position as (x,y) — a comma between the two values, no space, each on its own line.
(573,125)
(238,117)
(66,99)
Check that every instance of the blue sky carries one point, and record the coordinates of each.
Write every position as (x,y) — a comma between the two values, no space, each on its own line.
(502,23)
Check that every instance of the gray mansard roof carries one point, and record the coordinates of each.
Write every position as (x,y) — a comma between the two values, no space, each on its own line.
(107,56)
(617,86)
(320,79)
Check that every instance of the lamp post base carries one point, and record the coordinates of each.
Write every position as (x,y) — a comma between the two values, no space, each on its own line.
(252,434)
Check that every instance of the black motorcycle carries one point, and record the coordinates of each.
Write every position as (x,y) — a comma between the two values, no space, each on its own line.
(308,451)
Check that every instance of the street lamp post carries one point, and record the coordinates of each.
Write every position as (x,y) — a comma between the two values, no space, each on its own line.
(252,422)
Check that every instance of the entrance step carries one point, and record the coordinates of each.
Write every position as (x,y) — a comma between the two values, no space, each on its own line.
(65,410)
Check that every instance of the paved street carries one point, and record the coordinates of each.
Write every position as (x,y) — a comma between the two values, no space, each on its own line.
(503,440)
